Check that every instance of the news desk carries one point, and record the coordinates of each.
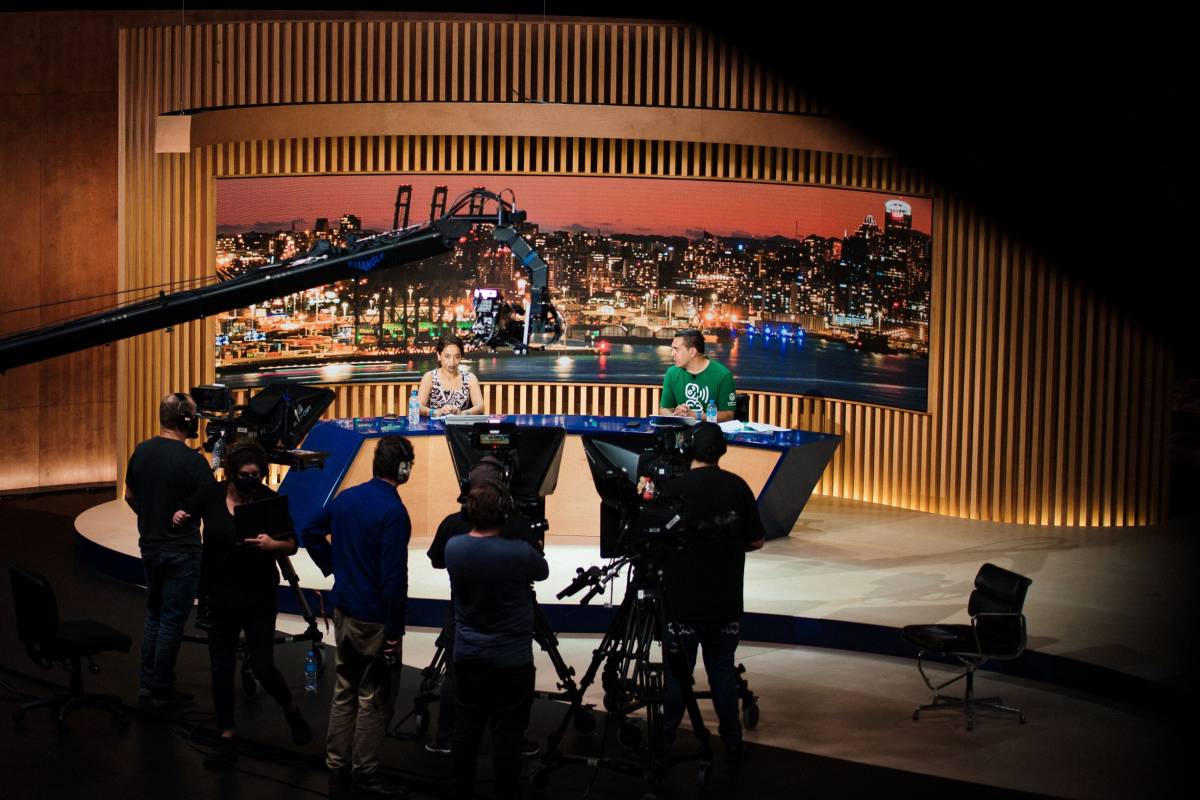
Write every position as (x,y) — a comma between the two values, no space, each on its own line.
(781,467)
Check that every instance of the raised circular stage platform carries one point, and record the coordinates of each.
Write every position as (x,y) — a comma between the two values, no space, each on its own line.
(851,574)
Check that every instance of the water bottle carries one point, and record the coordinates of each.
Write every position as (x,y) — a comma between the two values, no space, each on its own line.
(414,410)
(310,673)
(711,414)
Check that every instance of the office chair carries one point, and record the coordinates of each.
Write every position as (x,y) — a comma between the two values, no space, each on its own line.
(741,407)
(997,631)
(48,640)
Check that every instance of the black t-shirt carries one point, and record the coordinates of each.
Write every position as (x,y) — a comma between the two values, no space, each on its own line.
(163,474)
(703,581)
(232,575)
(515,527)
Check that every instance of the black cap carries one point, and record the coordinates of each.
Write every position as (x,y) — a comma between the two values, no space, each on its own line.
(708,442)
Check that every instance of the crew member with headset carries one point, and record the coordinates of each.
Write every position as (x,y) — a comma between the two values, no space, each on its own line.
(367,554)
(493,640)
(702,582)
(163,473)
(489,471)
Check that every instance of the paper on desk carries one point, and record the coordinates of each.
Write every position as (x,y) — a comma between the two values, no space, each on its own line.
(733,426)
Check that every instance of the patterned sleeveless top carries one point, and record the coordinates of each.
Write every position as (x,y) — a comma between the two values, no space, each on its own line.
(439,396)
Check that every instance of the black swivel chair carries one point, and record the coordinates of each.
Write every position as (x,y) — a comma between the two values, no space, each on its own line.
(49,640)
(997,631)
(741,407)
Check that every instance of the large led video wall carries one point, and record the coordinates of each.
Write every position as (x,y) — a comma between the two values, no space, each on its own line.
(806,290)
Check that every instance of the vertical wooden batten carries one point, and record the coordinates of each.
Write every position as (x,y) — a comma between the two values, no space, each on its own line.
(1044,405)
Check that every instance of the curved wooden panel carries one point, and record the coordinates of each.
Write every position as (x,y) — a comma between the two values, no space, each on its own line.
(1045,406)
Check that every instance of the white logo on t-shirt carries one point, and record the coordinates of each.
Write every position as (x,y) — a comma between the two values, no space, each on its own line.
(695,395)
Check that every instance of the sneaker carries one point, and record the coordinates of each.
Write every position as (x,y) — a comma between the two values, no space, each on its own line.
(225,754)
(340,785)
(376,788)
(441,746)
(530,747)
(170,698)
(301,733)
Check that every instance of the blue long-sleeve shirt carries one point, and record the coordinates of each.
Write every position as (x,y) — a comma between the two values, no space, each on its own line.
(368,557)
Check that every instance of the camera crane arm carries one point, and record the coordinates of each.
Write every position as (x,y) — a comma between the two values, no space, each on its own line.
(322,265)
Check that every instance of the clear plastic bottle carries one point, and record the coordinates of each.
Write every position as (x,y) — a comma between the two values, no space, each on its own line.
(414,409)
(711,413)
(310,673)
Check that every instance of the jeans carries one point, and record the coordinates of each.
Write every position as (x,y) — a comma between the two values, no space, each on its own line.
(504,695)
(171,580)
(362,698)
(258,621)
(720,641)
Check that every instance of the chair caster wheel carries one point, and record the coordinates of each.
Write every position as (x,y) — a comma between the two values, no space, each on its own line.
(585,722)
(629,735)
(750,716)
(539,778)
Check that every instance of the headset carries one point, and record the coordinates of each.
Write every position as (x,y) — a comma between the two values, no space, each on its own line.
(506,505)
(404,468)
(185,420)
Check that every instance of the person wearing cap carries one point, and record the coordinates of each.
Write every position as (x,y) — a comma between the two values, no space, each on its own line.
(488,472)
(703,581)
(694,379)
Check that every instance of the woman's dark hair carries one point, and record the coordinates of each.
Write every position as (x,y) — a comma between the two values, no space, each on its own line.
(691,338)
(243,453)
(448,339)
(485,507)
(389,453)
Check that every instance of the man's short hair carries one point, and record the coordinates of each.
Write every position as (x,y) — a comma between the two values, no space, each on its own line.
(708,442)
(489,470)
(485,507)
(691,338)
(170,409)
(389,454)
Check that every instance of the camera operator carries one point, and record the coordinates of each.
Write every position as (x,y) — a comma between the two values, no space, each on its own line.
(493,640)
(368,557)
(240,576)
(163,473)
(489,471)
(703,581)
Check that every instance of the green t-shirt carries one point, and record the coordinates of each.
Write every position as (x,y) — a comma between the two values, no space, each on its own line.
(714,381)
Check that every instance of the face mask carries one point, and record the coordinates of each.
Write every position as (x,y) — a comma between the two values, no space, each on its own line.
(246,484)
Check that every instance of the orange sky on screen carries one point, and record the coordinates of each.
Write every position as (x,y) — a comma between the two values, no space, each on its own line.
(664,206)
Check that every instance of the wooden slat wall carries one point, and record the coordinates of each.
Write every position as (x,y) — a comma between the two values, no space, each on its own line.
(1045,406)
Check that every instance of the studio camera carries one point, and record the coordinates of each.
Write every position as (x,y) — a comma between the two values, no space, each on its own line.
(528,457)
(278,418)
(630,473)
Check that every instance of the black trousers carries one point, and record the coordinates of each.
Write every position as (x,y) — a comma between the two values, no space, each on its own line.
(503,696)
(258,622)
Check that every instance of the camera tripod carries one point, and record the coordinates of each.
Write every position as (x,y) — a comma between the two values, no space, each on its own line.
(434,674)
(311,634)
(633,680)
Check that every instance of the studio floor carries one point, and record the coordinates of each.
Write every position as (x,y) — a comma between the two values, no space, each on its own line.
(1116,598)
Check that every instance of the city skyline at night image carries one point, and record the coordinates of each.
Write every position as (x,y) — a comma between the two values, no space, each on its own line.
(797,289)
